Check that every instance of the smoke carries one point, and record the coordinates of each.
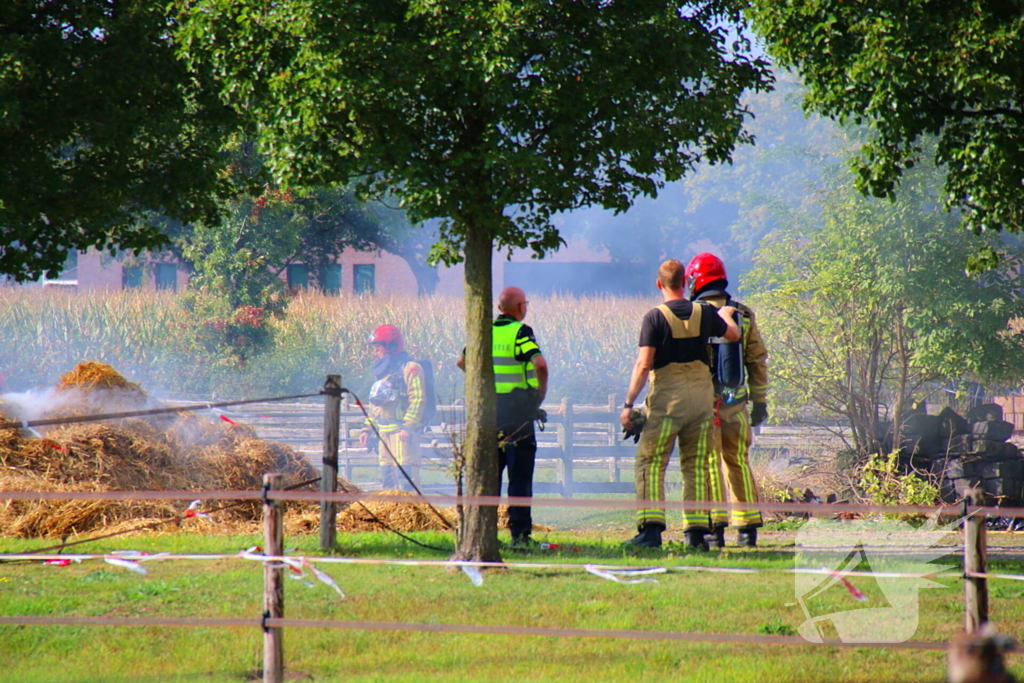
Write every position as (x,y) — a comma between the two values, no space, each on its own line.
(51,402)
(184,431)
(35,404)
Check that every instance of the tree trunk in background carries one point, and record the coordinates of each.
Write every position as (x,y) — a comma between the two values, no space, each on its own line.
(478,539)
(427,276)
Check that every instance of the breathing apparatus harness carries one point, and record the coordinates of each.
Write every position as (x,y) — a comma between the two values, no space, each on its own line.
(728,371)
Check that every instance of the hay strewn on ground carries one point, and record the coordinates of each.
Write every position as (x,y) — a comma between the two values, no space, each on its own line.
(360,517)
(374,515)
(173,452)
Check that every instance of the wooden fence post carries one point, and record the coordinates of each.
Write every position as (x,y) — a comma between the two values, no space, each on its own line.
(613,437)
(329,472)
(273,582)
(565,474)
(346,435)
(975,588)
(345,464)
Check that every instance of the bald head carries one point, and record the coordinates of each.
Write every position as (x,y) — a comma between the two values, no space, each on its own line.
(512,301)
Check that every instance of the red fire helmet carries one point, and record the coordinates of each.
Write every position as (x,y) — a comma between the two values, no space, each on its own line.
(702,270)
(389,335)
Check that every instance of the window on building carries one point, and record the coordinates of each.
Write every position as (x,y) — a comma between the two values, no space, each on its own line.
(330,278)
(167,276)
(365,278)
(131,277)
(298,276)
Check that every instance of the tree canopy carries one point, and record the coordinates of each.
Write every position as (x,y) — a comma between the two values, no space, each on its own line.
(865,303)
(265,229)
(913,68)
(100,124)
(465,108)
(491,116)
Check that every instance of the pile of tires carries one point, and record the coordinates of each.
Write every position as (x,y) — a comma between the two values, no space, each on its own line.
(965,452)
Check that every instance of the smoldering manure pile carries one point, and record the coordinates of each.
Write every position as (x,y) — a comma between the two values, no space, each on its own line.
(177,451)
(170,452)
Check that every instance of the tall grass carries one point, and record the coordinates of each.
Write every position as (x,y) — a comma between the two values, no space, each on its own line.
(589,342)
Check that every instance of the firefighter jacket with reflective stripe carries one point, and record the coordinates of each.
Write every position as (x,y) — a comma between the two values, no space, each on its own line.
(755,355)
(406,408)
(510,372)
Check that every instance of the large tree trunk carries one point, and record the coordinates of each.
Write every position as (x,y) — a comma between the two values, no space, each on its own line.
(478,538)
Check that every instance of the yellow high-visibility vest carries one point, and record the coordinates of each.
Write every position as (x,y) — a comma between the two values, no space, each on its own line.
(510,373)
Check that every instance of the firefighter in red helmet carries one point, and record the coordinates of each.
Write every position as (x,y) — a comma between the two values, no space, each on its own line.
(740,376)
(397,408)
(673,356)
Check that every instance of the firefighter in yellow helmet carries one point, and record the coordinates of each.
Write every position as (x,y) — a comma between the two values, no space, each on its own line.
(674,352)
(741,377)
(397,408)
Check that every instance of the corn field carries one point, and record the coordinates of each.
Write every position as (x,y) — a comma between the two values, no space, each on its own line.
(589,342)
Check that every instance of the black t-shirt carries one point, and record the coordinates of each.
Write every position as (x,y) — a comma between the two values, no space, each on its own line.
(656,331)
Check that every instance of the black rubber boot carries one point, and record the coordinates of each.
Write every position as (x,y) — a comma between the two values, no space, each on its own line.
(695,539)
(748,537)
(649,536)
(718,537)
(523,542)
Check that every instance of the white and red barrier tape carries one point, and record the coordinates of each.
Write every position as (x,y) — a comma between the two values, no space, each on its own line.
(254,554)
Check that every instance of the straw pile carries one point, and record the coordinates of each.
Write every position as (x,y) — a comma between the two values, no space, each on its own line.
(93,388)
(90,376)
(8,437)
(174,452)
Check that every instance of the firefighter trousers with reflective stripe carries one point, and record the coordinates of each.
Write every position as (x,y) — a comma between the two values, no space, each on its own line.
(732,444)
(393,451)
(679,407)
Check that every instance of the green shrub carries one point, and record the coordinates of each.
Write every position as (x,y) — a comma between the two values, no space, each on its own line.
(884,482)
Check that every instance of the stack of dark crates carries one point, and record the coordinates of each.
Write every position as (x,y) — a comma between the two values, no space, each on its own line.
(964,452)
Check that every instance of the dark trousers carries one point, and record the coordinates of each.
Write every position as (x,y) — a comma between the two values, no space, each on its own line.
(518,453)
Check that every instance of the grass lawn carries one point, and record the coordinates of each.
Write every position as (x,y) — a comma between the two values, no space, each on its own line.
(559,597)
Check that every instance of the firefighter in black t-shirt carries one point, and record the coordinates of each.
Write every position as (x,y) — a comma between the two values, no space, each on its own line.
(673,350)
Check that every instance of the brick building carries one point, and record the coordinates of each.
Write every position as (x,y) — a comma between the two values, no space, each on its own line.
(355,272)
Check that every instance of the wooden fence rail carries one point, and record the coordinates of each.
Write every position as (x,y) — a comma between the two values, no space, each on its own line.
(577,439)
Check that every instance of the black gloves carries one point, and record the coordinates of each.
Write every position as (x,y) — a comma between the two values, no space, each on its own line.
(758,414)
(541,417)
(634,432)
(638,418)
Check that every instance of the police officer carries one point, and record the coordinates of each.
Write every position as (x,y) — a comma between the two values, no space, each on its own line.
(521,383)
(680,404)
(706,281)
(397,408)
